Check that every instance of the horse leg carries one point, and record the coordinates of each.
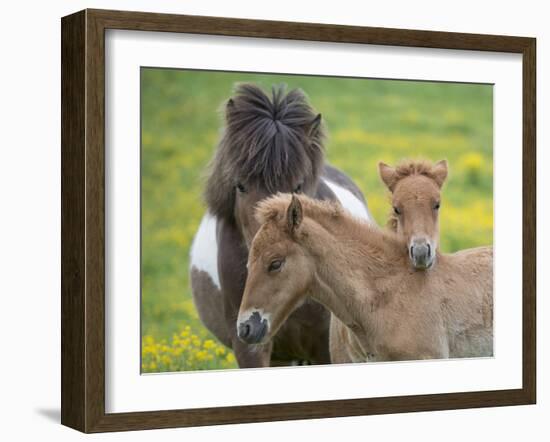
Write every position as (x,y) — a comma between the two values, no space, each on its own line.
(252,356)
(344,345)
(207,298)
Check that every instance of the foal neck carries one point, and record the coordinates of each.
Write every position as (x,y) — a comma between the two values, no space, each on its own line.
(353,243)
(350,256)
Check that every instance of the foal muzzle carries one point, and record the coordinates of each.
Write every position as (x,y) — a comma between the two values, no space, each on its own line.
(253,329)
(422,254)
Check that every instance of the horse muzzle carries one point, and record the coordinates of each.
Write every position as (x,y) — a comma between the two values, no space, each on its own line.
(253,329)
(422,254)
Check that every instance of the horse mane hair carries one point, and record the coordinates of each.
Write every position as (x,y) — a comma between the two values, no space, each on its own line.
(417,167)
(274,208)
(269,141)
(414,167)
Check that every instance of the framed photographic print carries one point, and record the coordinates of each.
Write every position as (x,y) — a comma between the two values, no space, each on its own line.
(269,220)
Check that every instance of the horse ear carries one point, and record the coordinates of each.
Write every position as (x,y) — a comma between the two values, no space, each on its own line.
(294,214)
(387,173)
(440,172)
(314,126)
(229,107)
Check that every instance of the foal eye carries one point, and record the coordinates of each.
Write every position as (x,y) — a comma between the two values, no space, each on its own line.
(298,188)
(437,205)
(275,265)
(241,188)
(396,211)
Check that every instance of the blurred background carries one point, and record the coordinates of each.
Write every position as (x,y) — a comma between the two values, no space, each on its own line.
(368,121)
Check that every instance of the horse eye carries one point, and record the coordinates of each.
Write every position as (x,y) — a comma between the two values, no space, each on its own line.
(396,211)
(298,188)
(437,205)
(241,188)
(275,265)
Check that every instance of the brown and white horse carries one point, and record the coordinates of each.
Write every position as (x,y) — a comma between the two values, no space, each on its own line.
(362,274)
(269,145)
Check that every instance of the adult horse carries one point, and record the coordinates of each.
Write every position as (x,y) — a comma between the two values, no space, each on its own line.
(269,145)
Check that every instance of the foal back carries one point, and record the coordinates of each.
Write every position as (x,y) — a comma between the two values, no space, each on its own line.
(445,312)
(467,301)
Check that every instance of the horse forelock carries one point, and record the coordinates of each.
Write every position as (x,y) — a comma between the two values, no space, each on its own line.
(270,142)
(414,167)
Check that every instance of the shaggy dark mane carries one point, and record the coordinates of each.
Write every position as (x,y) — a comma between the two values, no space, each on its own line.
(272,142)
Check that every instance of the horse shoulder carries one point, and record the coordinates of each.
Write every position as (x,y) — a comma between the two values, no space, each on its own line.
(205,281)
(204,249)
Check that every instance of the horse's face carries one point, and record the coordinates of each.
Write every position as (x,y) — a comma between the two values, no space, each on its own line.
(270,144)
(279,274)
(416,200)
(248,195)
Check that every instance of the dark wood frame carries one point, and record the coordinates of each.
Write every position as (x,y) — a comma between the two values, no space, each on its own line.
(83,217)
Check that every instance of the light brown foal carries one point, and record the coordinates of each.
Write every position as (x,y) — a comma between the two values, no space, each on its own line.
(416,199)
(385,309)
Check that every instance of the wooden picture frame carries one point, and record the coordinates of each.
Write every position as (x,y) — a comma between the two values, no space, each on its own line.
(83,219)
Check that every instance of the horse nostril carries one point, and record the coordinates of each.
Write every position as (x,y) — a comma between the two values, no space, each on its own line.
(429,250)
(412,251)
(244,330)
(253,330)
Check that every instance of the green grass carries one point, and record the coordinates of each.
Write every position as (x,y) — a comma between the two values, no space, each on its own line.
(368,121)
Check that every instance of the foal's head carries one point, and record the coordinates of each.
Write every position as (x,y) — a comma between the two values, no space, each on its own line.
(279,270)
(416,198)
(270,144)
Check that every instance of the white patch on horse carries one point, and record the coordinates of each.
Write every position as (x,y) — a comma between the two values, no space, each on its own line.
(350,202)
(204,250)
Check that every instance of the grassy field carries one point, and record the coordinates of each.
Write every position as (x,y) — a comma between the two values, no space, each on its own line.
(368,121)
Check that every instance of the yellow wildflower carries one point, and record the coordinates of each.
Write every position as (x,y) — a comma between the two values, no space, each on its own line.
(209,344)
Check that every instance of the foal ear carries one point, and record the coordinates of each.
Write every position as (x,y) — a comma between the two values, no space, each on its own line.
(387,173)
(440,171)
(294,214)
(314,126)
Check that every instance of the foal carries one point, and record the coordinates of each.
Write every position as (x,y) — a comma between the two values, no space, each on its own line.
(362,275)
(416,199)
